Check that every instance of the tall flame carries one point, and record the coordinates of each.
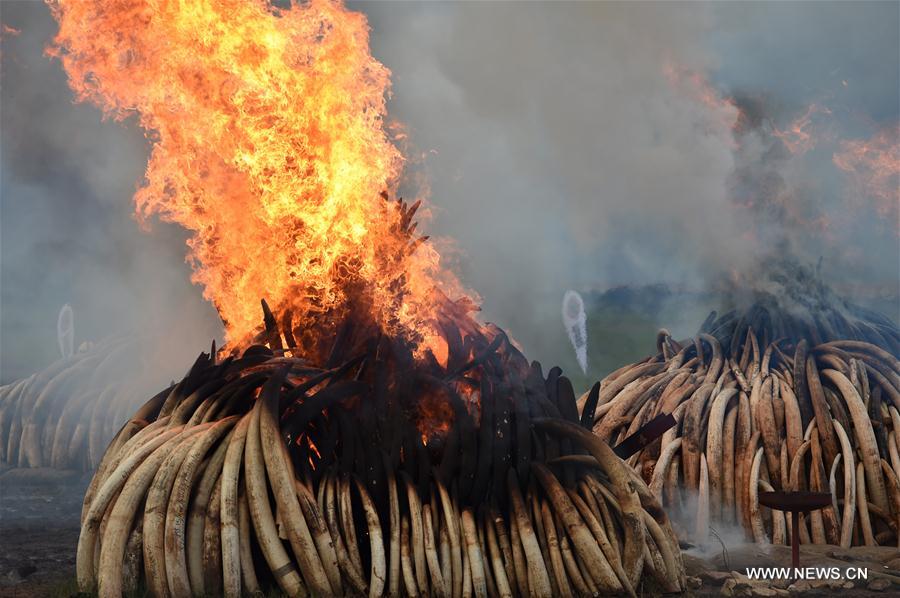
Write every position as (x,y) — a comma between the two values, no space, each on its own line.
(268,145)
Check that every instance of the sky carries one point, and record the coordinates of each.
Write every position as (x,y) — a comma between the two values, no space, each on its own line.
(565,145)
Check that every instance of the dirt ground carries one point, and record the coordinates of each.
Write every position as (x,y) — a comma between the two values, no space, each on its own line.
(39,512)
(40,509)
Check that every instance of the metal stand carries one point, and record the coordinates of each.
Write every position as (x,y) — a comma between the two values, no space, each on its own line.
(795,503)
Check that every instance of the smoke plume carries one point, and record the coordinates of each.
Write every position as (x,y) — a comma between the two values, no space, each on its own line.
(68,235)
(593,145)
(565,145)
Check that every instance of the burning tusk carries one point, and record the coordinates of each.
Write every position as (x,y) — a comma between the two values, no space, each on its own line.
(230,510)
(409,578)
(759,532)
(849,513)
(378,569)
(282,481)
(661,469)
(701,529)
(474,554)
(276,556)
(862,504)
(439,584)
(416,539)
(536,570)
(176,512)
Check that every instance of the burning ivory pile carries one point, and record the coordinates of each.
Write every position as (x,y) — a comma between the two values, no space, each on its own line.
(760,408)
(64,415)
(378,474)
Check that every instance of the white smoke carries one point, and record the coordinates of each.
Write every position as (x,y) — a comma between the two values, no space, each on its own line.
(575,322)
(65,331)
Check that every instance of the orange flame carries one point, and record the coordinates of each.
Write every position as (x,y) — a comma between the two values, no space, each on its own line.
(269,146)
(873,166)
(722,110)
(798,137)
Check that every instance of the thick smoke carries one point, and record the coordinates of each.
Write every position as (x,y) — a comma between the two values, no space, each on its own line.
(801,211)
(592,145)
(566,145)
(563,154)
(68,235)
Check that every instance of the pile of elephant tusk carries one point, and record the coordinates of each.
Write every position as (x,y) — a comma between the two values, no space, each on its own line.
(382,475)
(765,401)
(64,416)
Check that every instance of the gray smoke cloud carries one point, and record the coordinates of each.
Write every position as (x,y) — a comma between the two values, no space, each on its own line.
(560,152)
(66,229)
(590,145)
(566,145)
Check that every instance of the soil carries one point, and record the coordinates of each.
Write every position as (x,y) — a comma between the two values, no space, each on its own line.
(39,513)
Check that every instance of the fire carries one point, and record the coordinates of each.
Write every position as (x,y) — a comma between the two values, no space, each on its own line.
(798,137)
(269,145)
(723,112)
(873,166)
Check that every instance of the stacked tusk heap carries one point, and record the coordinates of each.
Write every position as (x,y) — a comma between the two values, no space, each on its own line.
(385,442)
(379,474)
(65,415)
(770,399)
(367,467)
